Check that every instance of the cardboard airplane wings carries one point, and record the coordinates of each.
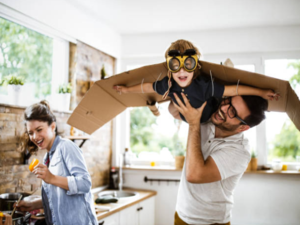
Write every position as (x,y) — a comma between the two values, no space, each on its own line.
(102,103)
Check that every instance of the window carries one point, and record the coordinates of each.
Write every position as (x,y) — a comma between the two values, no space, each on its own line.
(283,138)
(151,137)
(29,55)
(156,138)
(251,133)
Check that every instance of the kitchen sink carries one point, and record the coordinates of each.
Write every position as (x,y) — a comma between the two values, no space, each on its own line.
(117,194)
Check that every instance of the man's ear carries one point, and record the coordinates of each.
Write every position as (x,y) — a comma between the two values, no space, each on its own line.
(243,128)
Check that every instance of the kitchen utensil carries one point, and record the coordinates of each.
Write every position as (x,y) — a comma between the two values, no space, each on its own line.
(18,218)
(7,200)
(99,208)
(16,205)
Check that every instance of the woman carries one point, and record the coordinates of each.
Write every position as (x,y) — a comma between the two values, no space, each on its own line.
(66,185)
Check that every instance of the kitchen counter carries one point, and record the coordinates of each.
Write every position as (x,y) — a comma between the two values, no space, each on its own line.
(123,202)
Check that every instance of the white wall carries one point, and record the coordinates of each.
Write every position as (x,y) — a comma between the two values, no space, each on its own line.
(246,40)
(69,19)
(259,199)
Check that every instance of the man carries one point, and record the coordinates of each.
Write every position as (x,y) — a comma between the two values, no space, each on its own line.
(216,157)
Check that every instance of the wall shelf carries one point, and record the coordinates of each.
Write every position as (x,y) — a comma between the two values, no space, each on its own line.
(82,138)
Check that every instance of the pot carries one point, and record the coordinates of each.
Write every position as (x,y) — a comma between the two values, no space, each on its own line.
(19,218)
(7,200)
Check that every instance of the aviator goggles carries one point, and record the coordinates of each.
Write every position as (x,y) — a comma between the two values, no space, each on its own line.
(188,60)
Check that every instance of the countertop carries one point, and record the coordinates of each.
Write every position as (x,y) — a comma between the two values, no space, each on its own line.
(123,202)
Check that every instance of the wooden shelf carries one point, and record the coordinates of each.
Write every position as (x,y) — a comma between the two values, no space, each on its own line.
(286,172)
(153,168)
(74,138)
(161,168)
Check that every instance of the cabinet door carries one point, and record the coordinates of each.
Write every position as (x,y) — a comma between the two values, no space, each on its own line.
(147,212)
(110,220)
(129,216)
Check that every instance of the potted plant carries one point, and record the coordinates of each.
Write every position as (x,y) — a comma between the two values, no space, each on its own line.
(14,87)
(64,97)
(179,155)
(253,161)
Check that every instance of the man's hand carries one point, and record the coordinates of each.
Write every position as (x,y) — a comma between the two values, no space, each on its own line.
(42,171)
(191,114)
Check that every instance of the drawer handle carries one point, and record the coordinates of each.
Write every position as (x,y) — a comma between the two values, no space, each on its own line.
(140,208)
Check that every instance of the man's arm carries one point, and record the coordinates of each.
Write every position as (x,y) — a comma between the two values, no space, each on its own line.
(198,170)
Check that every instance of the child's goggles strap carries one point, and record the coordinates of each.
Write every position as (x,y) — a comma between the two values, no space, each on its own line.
(176,61)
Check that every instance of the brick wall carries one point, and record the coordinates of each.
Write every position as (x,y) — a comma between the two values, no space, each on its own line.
(15,176)
(84,68)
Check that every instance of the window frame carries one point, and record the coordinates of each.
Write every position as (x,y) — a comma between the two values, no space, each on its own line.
(60,57)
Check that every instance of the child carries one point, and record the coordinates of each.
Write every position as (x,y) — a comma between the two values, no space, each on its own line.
(184,76)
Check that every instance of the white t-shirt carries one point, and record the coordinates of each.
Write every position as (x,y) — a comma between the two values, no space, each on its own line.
(212,202)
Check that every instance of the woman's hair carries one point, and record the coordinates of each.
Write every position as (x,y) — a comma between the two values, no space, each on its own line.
(41,112)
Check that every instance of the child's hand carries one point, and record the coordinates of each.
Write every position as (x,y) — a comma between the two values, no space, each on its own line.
(121,89)
(270,95)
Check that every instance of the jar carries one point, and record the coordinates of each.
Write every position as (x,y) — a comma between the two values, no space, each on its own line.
(277,165)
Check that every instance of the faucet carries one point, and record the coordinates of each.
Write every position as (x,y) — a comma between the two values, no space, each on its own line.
(120,173)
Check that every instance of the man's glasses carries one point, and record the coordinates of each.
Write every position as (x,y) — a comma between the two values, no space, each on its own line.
(231,111)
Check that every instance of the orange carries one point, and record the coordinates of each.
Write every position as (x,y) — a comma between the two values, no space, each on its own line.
(152,163)
(33,164)
(284,167)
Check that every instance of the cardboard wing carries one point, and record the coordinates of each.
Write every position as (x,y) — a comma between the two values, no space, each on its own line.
(102,103)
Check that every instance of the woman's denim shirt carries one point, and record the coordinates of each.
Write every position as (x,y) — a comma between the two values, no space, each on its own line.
(75,206)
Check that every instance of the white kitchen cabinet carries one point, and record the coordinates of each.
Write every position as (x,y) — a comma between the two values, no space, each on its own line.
(141,213)
(147,212)
(111,220)
(129,216)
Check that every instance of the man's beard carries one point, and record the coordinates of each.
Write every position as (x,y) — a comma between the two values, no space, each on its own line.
(227,127)
(223,126)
